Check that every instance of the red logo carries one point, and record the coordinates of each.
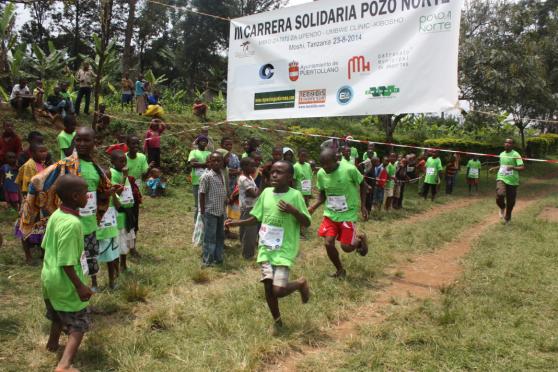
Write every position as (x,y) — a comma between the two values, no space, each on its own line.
(293,71)
(358,64)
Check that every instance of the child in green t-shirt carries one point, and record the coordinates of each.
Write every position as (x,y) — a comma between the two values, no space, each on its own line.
(281,211)
(303,175)
(473,173)
(64,269)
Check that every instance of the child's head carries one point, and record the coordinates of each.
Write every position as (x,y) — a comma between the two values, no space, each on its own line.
(277,154)
(155,173)
(385,161)
(102,108)
(375,161)
(118,160)
(392,157)
(202,142)
(35,137)
(302,155)
(282,173)
(328,160)
(370,150)
(39,152)
(8,129)
(346,152)
(257,156)
(22,83)
(63,86)
(403,162)
(215,161)
(434,153)
(85,142)
(72,190)
(508,144)
(248,165)
(133,144)
(155,123)
(70,124)
(288,154)
(11,158)
(121,138)
(39,83)
(227,143)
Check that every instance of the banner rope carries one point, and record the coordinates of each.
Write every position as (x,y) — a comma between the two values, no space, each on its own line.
(186,9)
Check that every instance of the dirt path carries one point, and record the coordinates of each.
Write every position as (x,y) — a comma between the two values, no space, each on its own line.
(421,278)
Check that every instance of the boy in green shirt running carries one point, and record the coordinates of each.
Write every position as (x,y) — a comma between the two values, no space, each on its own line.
(65,138)
(507,180)
(303,175)
(432,175)
(339,184)
(64,269)
(282,211)
(197,159)
(389,189)
(473,173)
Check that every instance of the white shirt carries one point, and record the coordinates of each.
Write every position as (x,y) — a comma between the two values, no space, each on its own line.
(16,89)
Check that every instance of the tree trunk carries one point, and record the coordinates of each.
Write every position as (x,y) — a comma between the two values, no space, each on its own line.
(127,53)
(77,21)
(106,18)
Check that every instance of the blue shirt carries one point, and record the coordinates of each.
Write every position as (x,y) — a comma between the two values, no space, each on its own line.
(139,88)
(10,175)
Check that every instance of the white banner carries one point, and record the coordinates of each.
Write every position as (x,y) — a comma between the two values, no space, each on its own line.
(360,58)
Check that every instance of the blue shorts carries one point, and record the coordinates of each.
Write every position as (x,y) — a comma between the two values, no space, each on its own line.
(378,196)
(127,98)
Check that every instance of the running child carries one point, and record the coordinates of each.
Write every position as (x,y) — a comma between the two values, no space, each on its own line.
(303,175)
(282,211)
(339,184)
(64,270)
(473,173)
(248,194)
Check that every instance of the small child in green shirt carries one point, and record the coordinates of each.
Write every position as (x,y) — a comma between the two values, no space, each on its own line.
(64,270)
(282,211)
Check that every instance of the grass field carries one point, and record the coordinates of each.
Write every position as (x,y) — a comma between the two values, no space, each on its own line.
(169,315)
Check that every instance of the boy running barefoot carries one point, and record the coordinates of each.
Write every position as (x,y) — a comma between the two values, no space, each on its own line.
(65,266)
(339,185)
(281,211)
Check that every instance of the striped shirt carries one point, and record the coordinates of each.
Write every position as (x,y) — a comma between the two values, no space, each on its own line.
(212,184)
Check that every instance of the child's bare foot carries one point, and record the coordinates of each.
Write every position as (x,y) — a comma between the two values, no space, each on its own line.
(304,290)
(363,248)
(277,327)
(69,369)
(339,274)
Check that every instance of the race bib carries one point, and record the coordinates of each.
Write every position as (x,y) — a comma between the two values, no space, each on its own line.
(199,171)
(353,160)
(271,237)
(306,185)
(127,197)
(109,219)
(504,171)
(83,263)
(430,171)
(337,203)
(91,206)
(473,172)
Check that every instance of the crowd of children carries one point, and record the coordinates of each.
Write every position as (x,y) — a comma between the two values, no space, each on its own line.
(84,215)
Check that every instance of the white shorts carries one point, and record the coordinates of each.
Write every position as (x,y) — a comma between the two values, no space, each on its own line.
(126,241)
(278,274)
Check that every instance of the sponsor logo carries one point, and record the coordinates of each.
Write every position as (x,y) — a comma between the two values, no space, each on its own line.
(246,50)
(382,92)
(357,64)
(267,71)
(294,71)
(436,22)
(322,68)
(345,95)
(313,97)
(274,100)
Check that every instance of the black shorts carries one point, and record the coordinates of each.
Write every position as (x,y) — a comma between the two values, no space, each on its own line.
(71,321)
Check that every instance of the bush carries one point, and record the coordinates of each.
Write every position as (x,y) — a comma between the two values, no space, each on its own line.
(541,146)
(463,144)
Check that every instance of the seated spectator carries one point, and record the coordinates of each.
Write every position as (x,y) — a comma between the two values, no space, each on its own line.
(199,109)
(67,97)
(21,97)
(56,104)
(38,95)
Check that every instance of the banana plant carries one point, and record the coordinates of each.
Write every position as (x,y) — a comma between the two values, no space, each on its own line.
(154,80)
(49,64)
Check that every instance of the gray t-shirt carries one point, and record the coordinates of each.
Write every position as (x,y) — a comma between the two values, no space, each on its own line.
(245,184)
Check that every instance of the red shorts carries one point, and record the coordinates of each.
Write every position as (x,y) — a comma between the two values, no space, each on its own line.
(344,231)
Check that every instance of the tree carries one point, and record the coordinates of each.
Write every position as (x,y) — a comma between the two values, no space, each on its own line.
(7,40)
(104,48)
(128,34)
(37,30)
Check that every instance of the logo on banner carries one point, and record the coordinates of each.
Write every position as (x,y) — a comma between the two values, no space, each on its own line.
(294,71)
(275,100)
(246,51)
(382,92)
(345,95)
(267,71)
(437,22)
(358,64)
(314,97)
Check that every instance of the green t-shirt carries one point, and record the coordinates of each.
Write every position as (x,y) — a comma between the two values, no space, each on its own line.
(433,169)
(474,167)
(342,190)
(391,169)
(366,157)
(200,157)
(91,176)
(354,155)
(509,159)
(245,155)
(303,178)
(267,212)
(64,141)
(116,177)
(137,167)
(63,246)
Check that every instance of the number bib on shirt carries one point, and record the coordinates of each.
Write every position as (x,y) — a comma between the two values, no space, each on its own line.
(473,172)
(504,171)
(271,237)
(306,185)
(127,197)
(83,263)
(199,172)
(91,206)
(109,218)
(337,203)
(430,171)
